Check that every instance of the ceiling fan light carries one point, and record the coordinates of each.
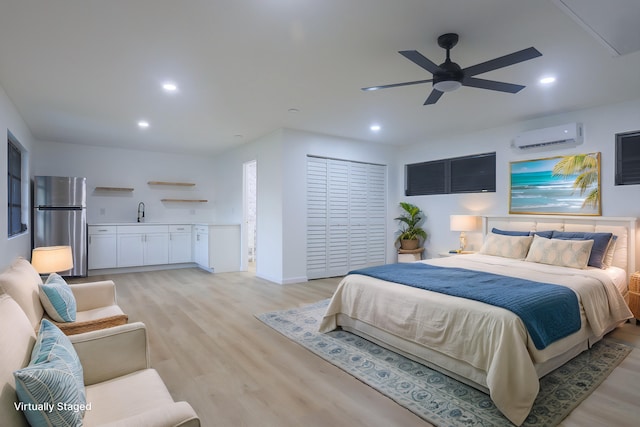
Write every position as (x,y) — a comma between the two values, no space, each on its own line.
(447,85)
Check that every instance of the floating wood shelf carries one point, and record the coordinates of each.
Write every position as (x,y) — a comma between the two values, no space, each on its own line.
(185,200)
(179,184)
(114,189)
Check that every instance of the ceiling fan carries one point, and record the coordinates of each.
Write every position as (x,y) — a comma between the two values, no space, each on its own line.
(448,76)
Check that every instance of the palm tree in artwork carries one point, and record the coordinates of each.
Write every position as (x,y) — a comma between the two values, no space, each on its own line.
(586,167)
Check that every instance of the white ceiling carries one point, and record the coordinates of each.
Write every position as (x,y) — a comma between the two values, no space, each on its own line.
(86,71)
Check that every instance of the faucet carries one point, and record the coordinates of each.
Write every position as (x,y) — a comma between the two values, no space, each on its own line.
(141,212)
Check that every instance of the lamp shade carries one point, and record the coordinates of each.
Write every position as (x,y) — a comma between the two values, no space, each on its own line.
(463,222)
(52,259)
(447,85)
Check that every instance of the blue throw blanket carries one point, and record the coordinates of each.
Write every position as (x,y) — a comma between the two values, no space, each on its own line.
(549,311)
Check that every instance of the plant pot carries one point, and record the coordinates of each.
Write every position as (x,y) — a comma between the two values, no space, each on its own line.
(409,244)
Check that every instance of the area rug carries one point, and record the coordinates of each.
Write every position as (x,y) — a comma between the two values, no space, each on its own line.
(435,397)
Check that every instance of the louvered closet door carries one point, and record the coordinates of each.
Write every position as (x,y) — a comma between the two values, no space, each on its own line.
(377,213)
(346,213)
(358,216)
(316,218)
(338,218)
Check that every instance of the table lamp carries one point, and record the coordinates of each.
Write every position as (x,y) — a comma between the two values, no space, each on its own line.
(52,259)
(463,223)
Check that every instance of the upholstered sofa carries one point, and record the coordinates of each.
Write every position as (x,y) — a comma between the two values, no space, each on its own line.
(96,306)
(120,388)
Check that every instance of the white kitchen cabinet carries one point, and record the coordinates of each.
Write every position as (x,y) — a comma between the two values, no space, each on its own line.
(217,247)
(130,249)
(180,244)
(156,248)
(140,245)
(201,245)
(102,247)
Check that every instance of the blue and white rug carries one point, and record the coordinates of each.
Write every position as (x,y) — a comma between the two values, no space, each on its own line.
(439,399)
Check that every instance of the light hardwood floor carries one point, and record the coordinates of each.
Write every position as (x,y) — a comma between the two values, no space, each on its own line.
(235,371)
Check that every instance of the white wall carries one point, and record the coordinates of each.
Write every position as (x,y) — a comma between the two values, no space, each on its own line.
(116,167)
(600,126)
(281,193)
(228,169)
(11,121)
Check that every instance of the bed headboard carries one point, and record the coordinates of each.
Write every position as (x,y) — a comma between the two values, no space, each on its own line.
(625,228)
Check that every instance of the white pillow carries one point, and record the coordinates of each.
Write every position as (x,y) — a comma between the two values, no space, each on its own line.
(506,246)
(608,258)
(564,253)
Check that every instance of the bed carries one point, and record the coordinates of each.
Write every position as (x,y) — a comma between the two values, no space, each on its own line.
(487,346)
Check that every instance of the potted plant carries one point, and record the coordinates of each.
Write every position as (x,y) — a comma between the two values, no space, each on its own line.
(410,230)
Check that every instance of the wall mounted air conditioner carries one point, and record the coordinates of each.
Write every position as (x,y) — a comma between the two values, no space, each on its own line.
(554,137)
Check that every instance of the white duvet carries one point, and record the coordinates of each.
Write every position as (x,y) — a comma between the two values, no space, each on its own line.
(491,339)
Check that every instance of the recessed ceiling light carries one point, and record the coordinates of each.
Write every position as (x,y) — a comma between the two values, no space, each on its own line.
(169,87)
(547,80)
(375,128)
(293,110)
(143,124)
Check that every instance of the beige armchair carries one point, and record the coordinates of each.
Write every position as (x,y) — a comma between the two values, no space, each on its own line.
(95,302)
(120,387)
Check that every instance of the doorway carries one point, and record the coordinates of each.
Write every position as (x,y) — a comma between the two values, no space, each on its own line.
(249,215)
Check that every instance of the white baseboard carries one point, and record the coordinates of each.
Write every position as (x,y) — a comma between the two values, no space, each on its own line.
(140,269)
(280,281)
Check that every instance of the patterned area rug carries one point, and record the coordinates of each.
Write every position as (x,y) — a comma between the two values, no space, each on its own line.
(433,396)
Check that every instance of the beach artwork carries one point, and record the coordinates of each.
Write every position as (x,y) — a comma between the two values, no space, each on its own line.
(563,185)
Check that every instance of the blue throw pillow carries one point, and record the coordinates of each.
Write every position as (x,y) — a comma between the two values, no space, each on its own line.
(51,388)
(510,233)
(57,299)
(600,244)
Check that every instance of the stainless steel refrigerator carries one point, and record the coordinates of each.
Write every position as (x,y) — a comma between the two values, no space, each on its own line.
(60,217)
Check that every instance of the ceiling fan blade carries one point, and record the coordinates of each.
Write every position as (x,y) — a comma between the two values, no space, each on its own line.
(417,82)
(491,85)
(419,59)
(433,97)
(503,61)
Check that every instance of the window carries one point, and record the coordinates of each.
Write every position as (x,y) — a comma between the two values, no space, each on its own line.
(469,174)
(628,158)
(14,188)
(426,178)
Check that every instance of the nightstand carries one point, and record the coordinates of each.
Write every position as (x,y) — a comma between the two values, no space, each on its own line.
(410,255)
(634,295)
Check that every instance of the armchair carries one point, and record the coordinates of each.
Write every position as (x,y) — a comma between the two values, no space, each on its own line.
(120,386)
(95,301)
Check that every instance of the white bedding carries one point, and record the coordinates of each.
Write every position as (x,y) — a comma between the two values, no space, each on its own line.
(618,276)
(451,325)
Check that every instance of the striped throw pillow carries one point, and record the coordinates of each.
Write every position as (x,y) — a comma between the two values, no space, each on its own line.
(51,388)
(57,299)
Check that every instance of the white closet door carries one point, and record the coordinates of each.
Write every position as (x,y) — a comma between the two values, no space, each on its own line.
(338,217)
(377,214)
(316,217)
(346,216)
(358,216)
